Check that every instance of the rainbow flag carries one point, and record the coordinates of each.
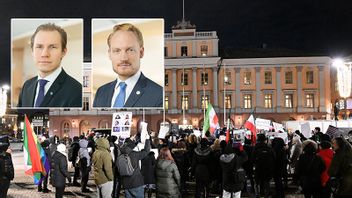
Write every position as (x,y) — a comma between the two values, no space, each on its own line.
(36,162)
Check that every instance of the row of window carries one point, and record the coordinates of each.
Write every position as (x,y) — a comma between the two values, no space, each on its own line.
(247,80)
(247,101)
(184,50)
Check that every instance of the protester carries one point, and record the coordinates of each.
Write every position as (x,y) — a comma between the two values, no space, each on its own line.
(326,153)
(180,155)
(148,172)
(280,164)
(167,175)
(341,167)
(75,149)
(7,171)
(84,164)
(200,166)
(134,184)
(58,171)
(102,168)
(263,158)
(309,169)
(230,163)
(43,184)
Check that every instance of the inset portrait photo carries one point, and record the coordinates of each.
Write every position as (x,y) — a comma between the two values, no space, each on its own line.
(128,63)
(47,63)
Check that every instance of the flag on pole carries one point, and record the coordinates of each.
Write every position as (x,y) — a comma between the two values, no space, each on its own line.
(228,131)
(249,124)
(211,121)
(36,162)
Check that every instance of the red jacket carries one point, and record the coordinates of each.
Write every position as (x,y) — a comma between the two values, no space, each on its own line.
(326,155)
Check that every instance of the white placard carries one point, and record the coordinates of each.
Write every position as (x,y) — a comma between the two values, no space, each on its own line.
(121,124)
(262,124)
(305,130)
(222,137)
(163,131)
(197,133)
(284,136)
(278,127)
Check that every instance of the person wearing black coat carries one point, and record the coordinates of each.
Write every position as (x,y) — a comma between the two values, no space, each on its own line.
(180,155)
(309,168)
(75,148)
(230,161)
(148,172)
(200,165)
(280,165)
(7,171)
(134,184)
(58,171)
(263,158)
(248,165)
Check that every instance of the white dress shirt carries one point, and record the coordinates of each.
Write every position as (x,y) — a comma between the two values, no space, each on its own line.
(130,82)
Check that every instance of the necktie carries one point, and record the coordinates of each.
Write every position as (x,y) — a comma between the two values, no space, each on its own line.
(120,99)
(40,97)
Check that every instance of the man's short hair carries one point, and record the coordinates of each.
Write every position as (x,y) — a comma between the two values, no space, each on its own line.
(127,27)
(51,27)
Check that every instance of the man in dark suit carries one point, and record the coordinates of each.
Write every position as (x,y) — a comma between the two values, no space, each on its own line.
(53,87)
(132,88)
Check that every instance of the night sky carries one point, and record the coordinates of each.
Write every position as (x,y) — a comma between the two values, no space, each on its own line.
(320,27)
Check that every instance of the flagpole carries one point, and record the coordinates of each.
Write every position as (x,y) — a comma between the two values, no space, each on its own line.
(204,102)
(225,82)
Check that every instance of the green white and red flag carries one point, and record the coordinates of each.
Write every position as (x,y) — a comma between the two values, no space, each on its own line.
(211,121)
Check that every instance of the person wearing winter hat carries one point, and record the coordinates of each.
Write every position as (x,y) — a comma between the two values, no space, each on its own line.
(58,171)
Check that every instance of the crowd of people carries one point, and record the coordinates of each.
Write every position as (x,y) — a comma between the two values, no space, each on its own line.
(320,166)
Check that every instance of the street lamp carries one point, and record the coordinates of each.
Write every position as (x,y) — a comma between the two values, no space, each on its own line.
(3,99)
(343,77)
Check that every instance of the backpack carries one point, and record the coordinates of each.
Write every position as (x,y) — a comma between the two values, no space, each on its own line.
(239,172)
(124,165)
(6,167)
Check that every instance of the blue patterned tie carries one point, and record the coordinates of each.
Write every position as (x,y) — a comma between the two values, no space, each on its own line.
(120,99)
(42,83)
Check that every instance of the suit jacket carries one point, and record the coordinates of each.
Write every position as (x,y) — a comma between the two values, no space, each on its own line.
(146,93)
(64,92)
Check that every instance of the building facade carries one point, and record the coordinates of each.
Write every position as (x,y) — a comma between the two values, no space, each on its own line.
(289,88)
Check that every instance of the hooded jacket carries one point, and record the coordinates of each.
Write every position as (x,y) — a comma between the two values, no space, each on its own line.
(201,163)
(83,151)
(102,162)
(58,171)
(135,180)
(168,179)
(229,163)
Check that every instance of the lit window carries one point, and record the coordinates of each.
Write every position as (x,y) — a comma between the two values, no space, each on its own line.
(66,128)
(166,102)
(85,103)
(204,101)
(310,100)
(165,51)
(288,77)
(267,77)
(228,101)
(166,80)
(184,102)
(247,80)
(288,100)
(204,50)
(268,101)
(228,78)
(204,79)
(310,77)
(85,81)
(247,98)
(184,79)
(184,51)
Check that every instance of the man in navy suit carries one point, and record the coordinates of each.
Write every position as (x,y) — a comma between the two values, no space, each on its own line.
(53,87)
(131,88)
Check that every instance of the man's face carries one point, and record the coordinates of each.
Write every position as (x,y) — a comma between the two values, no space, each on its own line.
(125,53)
(47,51)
